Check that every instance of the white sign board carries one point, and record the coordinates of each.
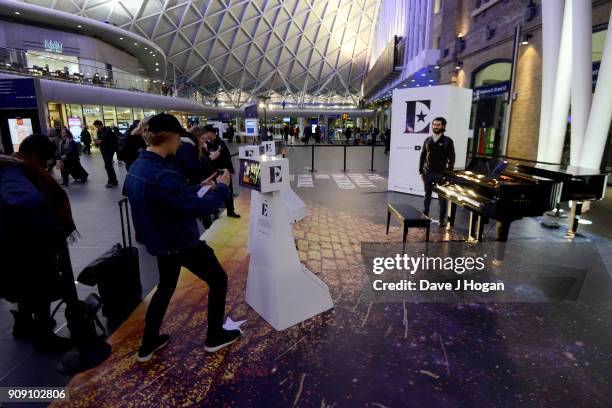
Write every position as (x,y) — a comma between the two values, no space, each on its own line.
(250,152)
(412,113)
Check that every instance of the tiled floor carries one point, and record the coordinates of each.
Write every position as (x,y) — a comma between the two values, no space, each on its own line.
(387,358)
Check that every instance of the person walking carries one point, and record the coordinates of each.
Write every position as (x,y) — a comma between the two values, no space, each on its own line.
(164,211)
(134,142)
(437,157)
(69,157)
(107,141)
(86,140)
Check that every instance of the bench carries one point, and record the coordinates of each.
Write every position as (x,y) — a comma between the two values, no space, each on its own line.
(408,216)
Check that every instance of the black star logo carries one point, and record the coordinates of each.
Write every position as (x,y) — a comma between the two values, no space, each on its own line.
(421,117)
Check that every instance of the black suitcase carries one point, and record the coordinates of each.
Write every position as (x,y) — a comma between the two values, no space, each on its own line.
(117,274)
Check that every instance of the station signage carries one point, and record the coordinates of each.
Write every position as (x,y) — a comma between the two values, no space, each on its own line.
(17,94)
(53,46)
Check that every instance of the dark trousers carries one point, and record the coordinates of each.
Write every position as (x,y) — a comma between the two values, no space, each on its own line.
(229,203)
(87,148)
(203,263)
(108,165)
(429,180)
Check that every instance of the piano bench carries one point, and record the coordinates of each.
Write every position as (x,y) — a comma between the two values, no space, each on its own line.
(409,217)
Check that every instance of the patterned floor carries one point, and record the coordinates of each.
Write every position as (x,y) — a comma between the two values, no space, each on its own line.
(357,354)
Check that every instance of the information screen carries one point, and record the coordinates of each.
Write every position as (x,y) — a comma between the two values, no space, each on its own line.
(74,123)
(20,128)
(250,174)
(250,126)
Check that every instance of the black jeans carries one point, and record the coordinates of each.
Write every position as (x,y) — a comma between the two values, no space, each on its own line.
(229,203)
(429,180)
(108,165)
(203,263)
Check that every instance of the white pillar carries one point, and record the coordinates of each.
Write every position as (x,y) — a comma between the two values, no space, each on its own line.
(581,75)
(601,111)
(301,127)
(552,19)
(561,99)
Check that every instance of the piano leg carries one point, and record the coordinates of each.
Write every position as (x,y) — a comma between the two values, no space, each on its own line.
(503,228)
(452,212)
(574,217)
(476,227)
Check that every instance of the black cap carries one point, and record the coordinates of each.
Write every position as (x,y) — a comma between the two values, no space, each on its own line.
(164,122)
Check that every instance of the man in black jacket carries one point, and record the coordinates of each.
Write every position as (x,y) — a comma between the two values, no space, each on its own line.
(437,156)
(223,161)
(107,141)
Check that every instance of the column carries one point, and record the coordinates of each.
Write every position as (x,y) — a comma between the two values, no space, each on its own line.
(561,99)
(581,75)
(601,111)
(552,19)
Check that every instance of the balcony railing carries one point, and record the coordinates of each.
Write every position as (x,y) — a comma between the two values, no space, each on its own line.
(15,61)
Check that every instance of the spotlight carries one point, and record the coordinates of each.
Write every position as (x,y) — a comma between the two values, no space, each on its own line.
(526,38)
(17,13)
(437,67)
(121,38)
(79,26)
(459,65)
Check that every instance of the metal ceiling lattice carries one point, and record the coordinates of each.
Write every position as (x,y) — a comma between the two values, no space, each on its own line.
(298,51)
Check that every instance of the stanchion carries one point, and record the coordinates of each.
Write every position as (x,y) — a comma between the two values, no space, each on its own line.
(312,168)
(344,162)
(372,161)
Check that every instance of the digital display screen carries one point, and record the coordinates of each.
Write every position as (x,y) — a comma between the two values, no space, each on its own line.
(250,174)
(250,126)
(20,128)
(74,124)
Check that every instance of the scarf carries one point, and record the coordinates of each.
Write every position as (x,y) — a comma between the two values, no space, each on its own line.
(53,192)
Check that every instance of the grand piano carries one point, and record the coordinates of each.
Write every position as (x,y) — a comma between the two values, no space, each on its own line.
(579,184)
(506,191)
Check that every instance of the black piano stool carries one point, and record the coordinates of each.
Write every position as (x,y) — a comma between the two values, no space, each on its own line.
(408,216)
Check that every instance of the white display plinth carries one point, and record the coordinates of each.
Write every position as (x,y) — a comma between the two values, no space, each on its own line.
(413,110)
(282,290)
(295,206)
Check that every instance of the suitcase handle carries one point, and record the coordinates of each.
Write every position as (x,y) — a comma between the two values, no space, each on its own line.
(124,203)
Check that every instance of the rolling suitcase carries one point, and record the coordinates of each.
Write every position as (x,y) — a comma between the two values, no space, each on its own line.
(117,274)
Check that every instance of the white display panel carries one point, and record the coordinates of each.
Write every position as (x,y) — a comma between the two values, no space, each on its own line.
(413,110)
(251,127)
(20,128)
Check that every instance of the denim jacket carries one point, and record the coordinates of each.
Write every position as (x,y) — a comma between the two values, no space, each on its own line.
(164,209)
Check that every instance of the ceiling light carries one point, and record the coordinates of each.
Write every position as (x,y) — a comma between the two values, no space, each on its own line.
(412,80)
(418,85)
(79,26)
(157,63)
(17,13)
(423,74)
(431,80)
(135,43)
(157,69)
(437,67)
(121,38)
(262,105)
(459,65)
(145,48)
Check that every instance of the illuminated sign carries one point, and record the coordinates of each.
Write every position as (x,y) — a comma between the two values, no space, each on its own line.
(53,46)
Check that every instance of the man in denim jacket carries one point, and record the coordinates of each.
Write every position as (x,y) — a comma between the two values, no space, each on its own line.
(165,211)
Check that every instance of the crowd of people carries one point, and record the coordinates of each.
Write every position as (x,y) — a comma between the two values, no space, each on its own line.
(166,167)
